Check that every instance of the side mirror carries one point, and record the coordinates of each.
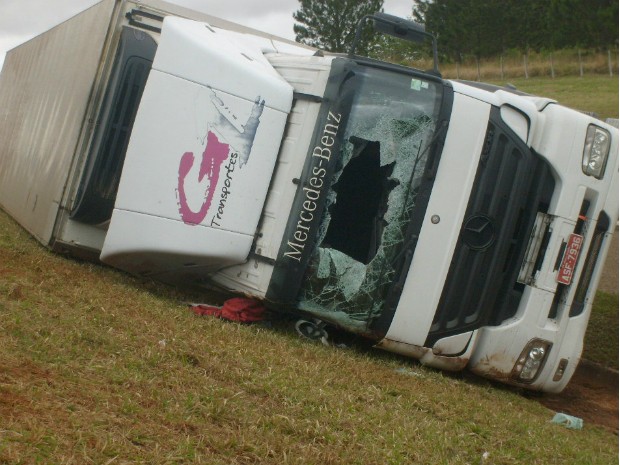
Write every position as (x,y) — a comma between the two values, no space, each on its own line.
(397,27)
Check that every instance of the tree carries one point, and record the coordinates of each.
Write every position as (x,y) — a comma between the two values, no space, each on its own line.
(465,27)
(488,27)
(586,23)
(331,24)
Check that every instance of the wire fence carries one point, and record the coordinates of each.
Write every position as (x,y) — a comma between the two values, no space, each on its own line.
(540,64)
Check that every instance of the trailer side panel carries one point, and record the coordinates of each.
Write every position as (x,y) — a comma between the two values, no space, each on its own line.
(45,86)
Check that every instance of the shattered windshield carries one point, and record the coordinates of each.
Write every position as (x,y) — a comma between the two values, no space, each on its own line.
(382,157)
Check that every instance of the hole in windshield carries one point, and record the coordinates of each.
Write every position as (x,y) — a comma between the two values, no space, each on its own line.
(378,170)
(362,192)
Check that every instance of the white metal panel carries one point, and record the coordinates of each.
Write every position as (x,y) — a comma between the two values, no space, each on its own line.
(516,120)
(195,51)
(41,115)
(433,254)
(185,159)
(453,345)
(151,245)
(307,75)
(199,156)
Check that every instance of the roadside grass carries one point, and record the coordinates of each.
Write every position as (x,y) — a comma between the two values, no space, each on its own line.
(539,65)
(598,93)
(512,65)
(601,341)
(100,367)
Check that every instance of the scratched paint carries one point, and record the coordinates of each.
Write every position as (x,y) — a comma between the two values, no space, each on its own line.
(228,145)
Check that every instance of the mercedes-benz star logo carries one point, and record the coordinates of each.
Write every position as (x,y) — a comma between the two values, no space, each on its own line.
(478,232)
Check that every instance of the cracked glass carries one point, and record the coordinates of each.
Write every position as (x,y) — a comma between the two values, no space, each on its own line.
(372,197)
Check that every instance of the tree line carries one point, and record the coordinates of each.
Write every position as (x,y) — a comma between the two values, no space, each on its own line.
(480,28)
(485,28)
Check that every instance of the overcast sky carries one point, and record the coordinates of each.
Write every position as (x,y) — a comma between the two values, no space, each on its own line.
(23,19)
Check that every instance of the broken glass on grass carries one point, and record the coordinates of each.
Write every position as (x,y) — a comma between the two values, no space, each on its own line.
(368,210)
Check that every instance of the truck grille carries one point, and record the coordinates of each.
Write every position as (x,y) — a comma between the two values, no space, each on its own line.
(512,185)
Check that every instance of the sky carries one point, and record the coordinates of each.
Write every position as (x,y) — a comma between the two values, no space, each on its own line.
(21,20)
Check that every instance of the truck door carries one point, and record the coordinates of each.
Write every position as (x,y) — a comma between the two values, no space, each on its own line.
(200,156)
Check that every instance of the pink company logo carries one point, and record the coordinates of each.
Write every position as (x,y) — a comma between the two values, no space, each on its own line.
(228,141)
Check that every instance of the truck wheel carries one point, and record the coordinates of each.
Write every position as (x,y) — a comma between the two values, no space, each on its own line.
(311,329)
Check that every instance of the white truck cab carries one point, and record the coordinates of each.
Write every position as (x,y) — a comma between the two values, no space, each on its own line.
(459,223)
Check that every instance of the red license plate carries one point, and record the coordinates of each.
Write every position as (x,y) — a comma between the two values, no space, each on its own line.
(571,254)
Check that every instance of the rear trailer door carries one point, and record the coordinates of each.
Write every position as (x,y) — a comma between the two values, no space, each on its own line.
(200,156)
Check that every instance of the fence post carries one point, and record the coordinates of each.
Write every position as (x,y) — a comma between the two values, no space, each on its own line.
(525,66)
(580,64)
(478,67)
(457,70)
(552,68)
(501,65)
(611,70)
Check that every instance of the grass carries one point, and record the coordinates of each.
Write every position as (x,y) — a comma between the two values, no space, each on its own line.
(560,63)
(598,94)
(596,91)
(601,341)
(98,367)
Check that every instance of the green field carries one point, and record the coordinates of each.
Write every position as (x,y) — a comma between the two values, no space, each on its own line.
(598,93)
(601,341)
(98,367)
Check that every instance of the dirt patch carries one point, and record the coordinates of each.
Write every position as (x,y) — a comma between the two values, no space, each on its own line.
(14,384)
(592,395)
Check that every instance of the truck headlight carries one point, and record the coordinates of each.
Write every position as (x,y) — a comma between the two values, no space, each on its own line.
(595,151)
(531,360)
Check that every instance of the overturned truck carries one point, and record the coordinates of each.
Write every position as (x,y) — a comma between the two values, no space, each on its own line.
(459,223)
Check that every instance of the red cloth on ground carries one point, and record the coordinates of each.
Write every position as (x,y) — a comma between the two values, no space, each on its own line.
(238,309)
